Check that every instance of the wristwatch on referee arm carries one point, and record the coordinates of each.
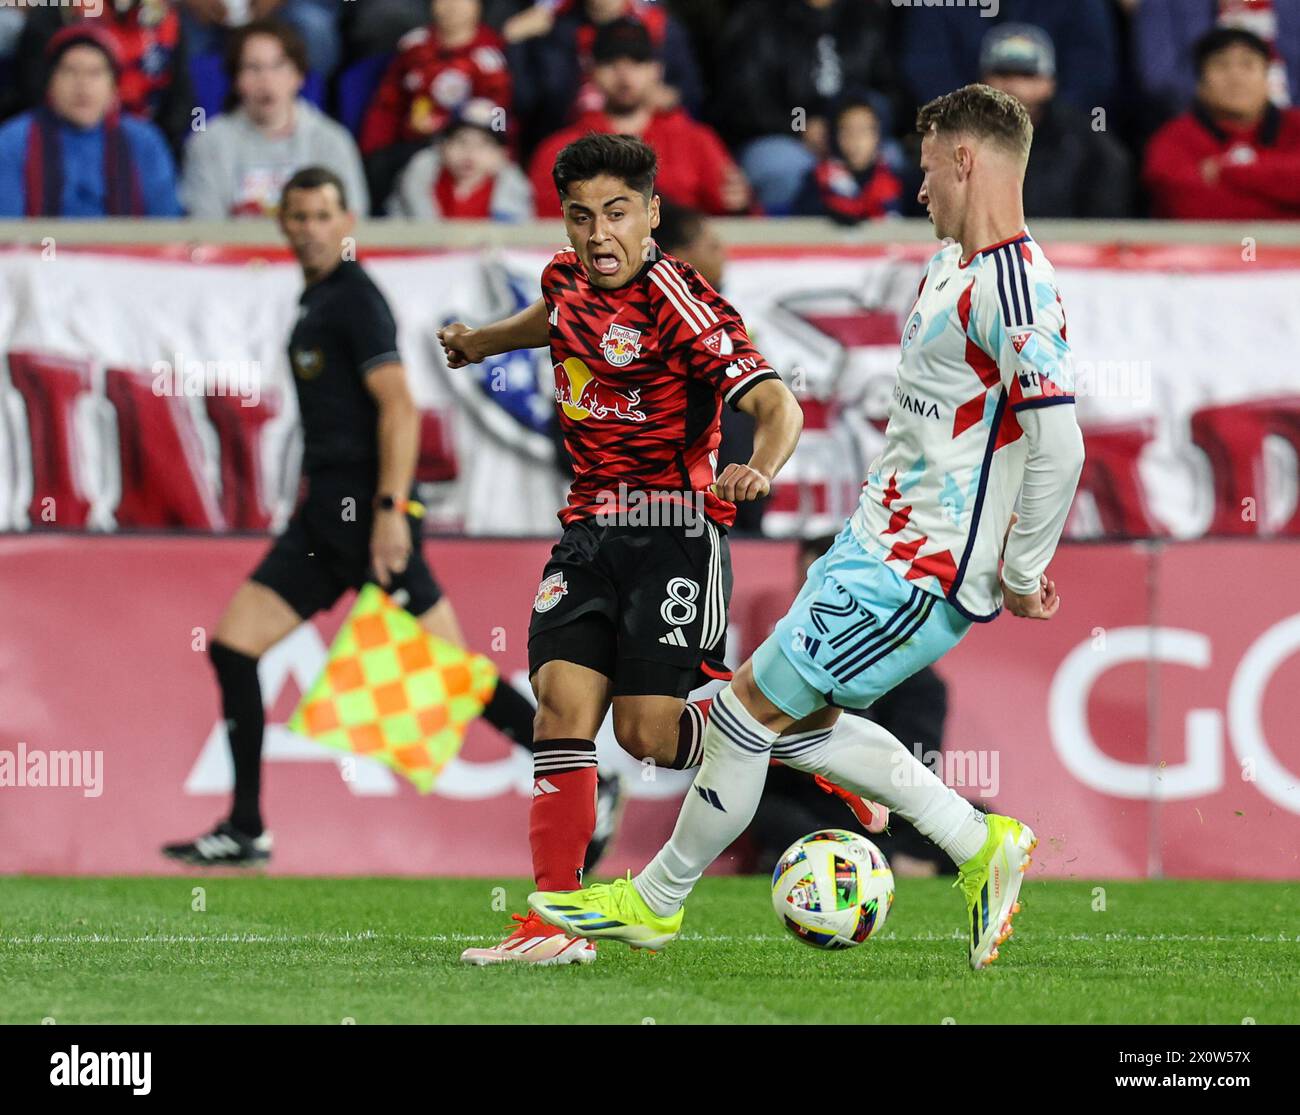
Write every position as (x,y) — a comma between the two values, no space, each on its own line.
(399,504)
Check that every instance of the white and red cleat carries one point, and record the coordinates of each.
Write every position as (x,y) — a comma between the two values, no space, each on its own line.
(871,815)
(534,942)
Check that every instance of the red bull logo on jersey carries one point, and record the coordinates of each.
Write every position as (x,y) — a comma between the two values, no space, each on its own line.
(621,345)
(550,592)
(581,395)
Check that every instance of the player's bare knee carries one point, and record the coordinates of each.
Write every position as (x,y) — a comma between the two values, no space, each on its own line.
(756,703)
(553,720)
(641,741)
(746,689)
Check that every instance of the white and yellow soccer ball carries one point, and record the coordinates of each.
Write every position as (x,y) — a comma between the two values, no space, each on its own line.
(832,889)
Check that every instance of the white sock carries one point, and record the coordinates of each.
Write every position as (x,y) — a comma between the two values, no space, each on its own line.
(718,807)
(863,757)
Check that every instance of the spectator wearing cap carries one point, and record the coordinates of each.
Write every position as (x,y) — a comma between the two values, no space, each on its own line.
(940,46)
(467,174)
(694,166)
(1165,34)
(1074,170)
(786,64)
(437,70)
(553,58)
(209,23)
(236,166)
(76,155)
(155,78)
(851,184)
(1235,156)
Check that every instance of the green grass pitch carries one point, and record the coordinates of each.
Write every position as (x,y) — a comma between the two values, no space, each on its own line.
(140,950)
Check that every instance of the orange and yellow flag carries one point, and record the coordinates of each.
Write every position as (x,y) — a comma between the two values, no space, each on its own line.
(393,692)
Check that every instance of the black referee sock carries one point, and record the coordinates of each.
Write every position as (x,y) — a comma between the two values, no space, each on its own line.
(241,705)
(511,714)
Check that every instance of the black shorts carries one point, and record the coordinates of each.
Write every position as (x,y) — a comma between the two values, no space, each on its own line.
(325,550)
(646,606)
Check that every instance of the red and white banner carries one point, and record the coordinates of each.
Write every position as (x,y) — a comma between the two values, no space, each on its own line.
(148,387)
(1150,727)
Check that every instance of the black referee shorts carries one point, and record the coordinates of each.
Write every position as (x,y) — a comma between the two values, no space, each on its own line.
(325,550)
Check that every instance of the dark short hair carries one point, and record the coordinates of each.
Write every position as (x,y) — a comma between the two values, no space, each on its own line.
(289,39)
(679,226)
(620,156)
(313,178)
(1219,39)
(980,111)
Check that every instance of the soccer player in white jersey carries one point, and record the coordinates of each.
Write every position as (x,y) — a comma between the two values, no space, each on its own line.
(981,416)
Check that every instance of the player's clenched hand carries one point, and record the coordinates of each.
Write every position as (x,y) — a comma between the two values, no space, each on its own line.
(459,345)
(1042,604)
(390,545)
(740,482)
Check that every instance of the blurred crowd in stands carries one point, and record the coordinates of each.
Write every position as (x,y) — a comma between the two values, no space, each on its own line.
(448,109)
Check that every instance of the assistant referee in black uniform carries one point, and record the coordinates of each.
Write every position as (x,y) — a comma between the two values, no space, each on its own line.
(360,443)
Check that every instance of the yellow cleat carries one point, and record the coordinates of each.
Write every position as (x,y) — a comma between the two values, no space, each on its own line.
(607,911)
(991,882)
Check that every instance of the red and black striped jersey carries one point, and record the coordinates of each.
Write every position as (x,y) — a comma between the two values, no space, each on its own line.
(641,373)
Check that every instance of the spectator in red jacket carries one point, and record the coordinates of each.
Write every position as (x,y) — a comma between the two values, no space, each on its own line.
(1234,156)
(438,69)
(694,166)
(852,184)
(466,174)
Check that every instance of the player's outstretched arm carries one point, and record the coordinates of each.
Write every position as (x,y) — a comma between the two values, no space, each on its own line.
(527,329)
(778,419)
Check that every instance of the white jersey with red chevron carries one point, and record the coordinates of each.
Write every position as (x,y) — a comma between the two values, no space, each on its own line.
(985,340)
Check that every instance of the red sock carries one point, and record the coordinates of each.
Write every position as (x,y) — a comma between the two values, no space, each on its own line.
(563,813)
(690,734)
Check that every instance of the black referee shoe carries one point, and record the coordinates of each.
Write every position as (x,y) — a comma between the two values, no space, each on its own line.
(609,810)
(224,846)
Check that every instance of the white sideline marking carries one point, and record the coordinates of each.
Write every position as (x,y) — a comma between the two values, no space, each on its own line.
(465,938)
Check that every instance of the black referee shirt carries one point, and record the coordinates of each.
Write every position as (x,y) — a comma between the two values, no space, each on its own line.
(344,330)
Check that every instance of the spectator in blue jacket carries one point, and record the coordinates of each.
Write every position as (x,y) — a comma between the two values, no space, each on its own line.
(941,46)
(1165,33)
(76,155)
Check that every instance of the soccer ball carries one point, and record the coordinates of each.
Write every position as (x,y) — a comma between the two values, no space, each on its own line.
(832,889)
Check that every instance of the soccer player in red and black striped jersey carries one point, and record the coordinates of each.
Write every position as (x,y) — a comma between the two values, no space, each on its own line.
(632,606)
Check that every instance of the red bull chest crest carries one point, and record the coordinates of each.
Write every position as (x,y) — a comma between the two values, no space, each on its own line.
(621,345)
